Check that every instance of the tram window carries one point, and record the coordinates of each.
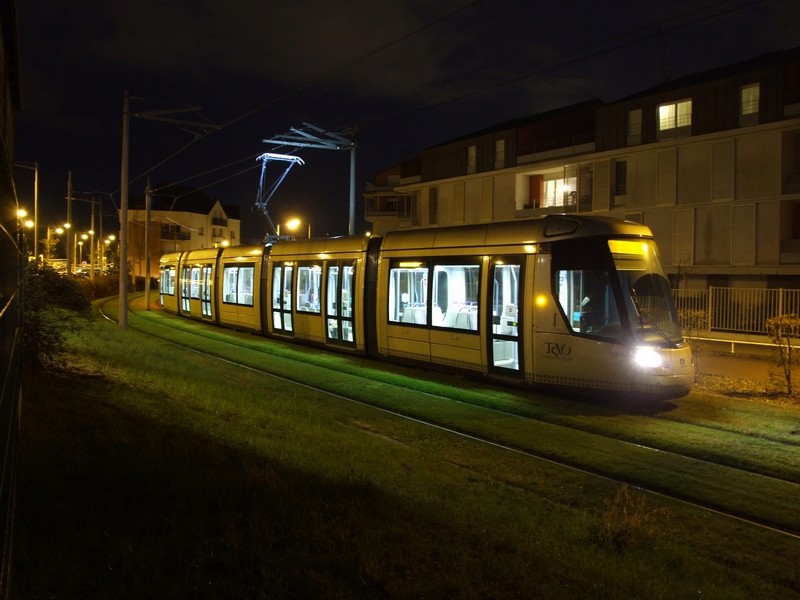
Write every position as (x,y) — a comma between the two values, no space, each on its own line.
(587,298)
(195,284)
(245,289)
(308,287)
(505,299)
(408,292)
(185,286)
(455,296)
(649,302)
(168,281)
(237,287)
(333,288)
(348,274)
(582,282)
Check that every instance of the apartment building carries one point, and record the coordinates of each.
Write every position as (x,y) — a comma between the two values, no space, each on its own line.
(710,162)
(181,219)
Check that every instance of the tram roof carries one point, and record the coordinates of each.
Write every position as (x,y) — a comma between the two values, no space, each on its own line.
(536,230)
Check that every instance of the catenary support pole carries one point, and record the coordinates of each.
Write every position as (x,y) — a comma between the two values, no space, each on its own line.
(122,320)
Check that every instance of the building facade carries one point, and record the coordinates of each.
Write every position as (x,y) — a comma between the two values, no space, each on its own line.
(711,163)
(181,219)
(13,261)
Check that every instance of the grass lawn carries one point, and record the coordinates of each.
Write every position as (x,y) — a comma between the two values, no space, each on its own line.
(151,472)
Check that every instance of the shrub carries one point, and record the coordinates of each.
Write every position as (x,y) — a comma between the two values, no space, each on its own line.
(54,305)
(782,329)
(627,519)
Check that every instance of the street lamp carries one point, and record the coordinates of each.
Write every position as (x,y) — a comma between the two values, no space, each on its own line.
(35,168)
(108,241)
(48,245)
(293,225)
(91,253)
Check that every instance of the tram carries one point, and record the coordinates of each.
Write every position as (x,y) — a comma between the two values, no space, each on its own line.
(570,302)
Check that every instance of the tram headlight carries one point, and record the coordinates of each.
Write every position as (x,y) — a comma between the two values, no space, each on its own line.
(647,357)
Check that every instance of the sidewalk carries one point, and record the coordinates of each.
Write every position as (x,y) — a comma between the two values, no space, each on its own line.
(733,365)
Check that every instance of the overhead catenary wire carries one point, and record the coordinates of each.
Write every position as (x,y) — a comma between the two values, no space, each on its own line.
(594,50)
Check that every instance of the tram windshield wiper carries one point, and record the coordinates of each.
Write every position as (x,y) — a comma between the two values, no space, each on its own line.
(644,319)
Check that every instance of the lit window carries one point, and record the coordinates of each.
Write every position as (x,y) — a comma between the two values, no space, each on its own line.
(238,285)
(308,284)
(675,115)
(408,292)
(455,296)
(749,99)
(557,190)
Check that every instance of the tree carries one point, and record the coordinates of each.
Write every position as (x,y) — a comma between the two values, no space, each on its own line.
(54,305)
(782,329)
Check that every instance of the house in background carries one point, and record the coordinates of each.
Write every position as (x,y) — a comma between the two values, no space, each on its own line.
(710,162)
(181,219)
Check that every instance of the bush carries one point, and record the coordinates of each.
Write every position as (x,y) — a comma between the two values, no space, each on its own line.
(782,329)
(627,520)
(54,305)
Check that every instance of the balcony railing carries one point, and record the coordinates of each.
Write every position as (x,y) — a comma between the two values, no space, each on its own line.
(175,236)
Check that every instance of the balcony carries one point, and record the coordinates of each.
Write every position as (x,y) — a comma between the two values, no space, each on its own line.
(174,235)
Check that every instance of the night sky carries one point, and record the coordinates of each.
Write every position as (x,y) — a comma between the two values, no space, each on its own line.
(406,74)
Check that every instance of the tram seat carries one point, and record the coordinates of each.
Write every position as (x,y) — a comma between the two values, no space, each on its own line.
(414,314)
(462,320)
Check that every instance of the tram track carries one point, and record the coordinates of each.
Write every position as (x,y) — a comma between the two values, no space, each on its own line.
(772,517)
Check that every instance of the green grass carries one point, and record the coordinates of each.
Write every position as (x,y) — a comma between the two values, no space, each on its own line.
(152,472)
(713,459)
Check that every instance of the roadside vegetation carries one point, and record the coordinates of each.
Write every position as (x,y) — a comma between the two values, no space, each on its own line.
(785,331)
(148,471)
(54,306)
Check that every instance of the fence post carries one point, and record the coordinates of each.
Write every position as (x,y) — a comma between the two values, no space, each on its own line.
(709,309)
(780,301)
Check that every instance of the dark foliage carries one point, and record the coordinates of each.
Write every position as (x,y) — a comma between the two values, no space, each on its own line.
(55,304)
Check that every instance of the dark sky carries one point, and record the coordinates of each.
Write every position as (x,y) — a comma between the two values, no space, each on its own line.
(407,74)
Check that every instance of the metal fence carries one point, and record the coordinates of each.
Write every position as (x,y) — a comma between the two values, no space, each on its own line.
(734,310)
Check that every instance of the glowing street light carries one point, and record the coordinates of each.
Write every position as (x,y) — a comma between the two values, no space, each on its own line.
(293,225)
(48,245)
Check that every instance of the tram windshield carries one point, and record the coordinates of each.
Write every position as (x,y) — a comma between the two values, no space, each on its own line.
(615,289)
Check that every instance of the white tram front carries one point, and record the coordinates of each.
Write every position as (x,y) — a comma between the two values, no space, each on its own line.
(562,301)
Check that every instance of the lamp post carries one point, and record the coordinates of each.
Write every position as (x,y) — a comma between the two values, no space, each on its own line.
(23,223)
(35,168)
(48,249)
(91,254)
(155,115)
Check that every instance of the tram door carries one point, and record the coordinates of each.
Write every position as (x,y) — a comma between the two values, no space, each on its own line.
(205,290)
(282,297)
(186,290)
(339,302)
(504,346)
